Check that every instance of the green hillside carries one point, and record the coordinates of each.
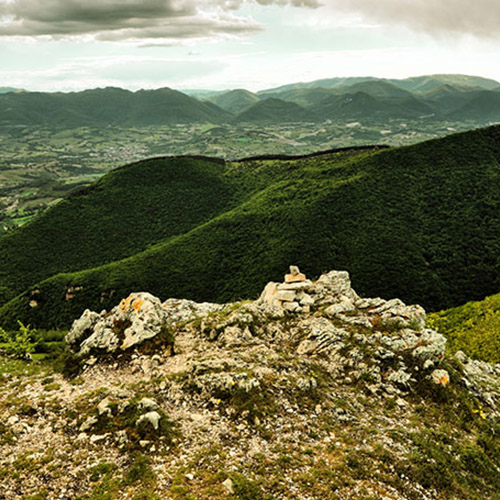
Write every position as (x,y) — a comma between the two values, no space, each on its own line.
(412,84)
(274,110)
(235,101)
(101,107)
(473,328)
(449,98)
(429,82)
(421,223)
(361,105)
(485,106)
(455,98)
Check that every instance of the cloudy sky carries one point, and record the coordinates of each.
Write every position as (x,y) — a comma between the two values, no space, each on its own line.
(186,44)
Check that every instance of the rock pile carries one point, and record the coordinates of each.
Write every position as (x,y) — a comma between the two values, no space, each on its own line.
(291,295)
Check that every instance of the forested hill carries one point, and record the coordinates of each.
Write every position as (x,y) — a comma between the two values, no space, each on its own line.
(421,223)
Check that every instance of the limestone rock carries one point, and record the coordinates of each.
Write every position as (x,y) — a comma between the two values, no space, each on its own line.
(323,337)
(136,319)
(82,328)
(228,486)
(285,296)
(335,284)
(397,311)
(148,404)
(152,418)
(295,276)
(344,305)
(182,310)
(103,408)
(268,295)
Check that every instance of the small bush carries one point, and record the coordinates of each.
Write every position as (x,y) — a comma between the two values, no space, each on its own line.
(20,344)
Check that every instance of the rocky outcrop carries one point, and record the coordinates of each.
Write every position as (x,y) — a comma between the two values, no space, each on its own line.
(384,340)
(306,392)
(136,319)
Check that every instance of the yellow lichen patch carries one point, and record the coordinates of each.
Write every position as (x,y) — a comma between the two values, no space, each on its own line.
(137,304)
(125,303)
(441,377)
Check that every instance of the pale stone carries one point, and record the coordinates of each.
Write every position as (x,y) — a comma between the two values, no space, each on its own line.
(298,286)
(103,408)
(294,270)
(294,278)
(285,296)
(400,377)
(13,420)
(306,300)
(291,306)
(345,305)
(81,438)
(148,404)
(153,418)
(136,319)
(228,485)
(88,424)
(96,438)
(269,293)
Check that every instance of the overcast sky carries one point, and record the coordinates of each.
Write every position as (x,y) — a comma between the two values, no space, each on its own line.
(255,44)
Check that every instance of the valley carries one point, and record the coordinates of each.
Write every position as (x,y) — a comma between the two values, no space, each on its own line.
(39,166)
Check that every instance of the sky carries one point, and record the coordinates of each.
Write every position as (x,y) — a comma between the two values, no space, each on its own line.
(70,45)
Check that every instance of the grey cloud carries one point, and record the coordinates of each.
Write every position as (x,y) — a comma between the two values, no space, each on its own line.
(115,20)
(438,17)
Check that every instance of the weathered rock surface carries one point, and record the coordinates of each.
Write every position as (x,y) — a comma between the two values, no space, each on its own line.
(138,318)
(309,392)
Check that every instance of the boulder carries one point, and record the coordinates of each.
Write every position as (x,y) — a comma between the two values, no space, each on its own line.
(151,418)
(136,319)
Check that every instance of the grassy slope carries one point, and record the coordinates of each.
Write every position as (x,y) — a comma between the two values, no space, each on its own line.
(421,223)
(473,328)
(118,216)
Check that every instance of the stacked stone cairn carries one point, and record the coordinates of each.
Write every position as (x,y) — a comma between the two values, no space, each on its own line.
(291,295)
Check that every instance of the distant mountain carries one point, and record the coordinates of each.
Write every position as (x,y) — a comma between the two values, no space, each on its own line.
(425,83)
(413,84)
(448,98)
(379,88)
(484,107)
(101,107)
(235,101)
(6,90)
(451,97)
(361,105)
(307,97)
(276,111)
(420,222)
(327,83)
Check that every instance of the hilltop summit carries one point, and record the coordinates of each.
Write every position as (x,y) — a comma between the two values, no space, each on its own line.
(308,392)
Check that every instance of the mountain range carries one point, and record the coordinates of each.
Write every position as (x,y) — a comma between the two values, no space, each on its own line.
(430,98)
(420,222)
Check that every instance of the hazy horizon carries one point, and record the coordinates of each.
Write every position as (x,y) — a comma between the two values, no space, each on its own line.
(253,44)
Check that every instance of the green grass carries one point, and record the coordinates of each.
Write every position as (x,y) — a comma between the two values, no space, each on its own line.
(421,223)
(473,328)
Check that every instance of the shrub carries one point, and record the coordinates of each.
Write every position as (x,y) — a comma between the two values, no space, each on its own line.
(20,344)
